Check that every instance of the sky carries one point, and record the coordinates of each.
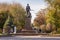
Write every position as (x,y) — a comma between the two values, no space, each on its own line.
(35,5)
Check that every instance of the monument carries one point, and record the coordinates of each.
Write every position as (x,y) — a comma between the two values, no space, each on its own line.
(28,27)
(28,18)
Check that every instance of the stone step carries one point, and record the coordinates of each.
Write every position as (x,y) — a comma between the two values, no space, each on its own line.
(29,34)
(27,31)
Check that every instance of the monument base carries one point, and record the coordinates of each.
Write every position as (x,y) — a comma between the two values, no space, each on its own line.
(28,24)
(27,28)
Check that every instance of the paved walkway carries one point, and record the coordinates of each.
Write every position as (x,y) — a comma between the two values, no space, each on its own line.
(29,38)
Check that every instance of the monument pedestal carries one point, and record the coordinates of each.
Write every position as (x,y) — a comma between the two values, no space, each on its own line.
(28,24)
(28,28)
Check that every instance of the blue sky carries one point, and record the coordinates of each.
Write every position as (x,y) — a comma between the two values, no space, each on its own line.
(35,5)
